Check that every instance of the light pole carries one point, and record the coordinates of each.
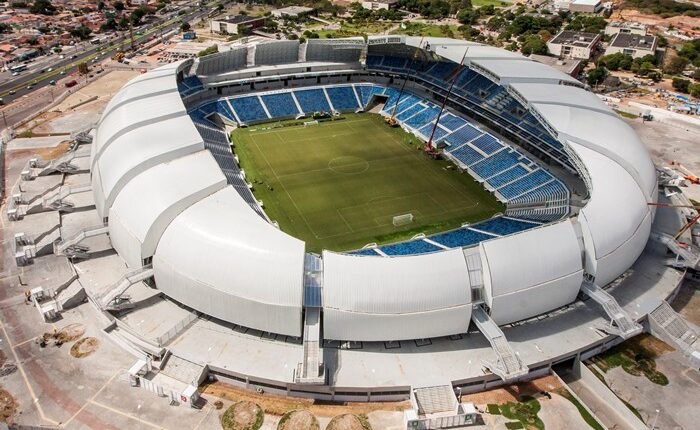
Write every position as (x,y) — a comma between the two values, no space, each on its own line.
(656,417)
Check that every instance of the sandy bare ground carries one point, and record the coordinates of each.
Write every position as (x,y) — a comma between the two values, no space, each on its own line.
(559,413)
(684,23)
(512,393)
(299,420)
(278,405)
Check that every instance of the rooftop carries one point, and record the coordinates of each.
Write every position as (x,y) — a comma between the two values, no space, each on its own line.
(239,19)
(635,41)
(576,38)
(567,66)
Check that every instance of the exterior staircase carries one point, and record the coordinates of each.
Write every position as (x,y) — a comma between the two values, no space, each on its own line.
(508,365)
(620,322)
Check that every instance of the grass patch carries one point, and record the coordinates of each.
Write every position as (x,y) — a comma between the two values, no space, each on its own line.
(525,412)
(626,114)
(431,30)
(636,356)
(513,425)
(587,417)
(495,3)
(337,185)
(632,408)
(493,409)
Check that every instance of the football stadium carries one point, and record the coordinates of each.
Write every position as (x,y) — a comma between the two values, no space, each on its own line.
(346,219)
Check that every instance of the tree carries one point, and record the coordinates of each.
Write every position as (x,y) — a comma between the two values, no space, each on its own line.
(681,84)
(43,7)
(533,45)
(185,26)
(597,75)
(118,6)
(82,32)
(467,16)
(100,5)
(696,74)
(694,90)
(676,64)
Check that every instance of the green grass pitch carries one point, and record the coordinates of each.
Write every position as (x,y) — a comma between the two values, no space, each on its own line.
(337,185)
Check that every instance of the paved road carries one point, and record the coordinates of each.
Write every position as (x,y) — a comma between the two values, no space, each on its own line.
(70,65)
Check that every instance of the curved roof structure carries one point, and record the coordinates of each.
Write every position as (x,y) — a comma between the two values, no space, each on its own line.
(166,198)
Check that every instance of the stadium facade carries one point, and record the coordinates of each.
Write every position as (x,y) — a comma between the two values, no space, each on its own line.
(567,168)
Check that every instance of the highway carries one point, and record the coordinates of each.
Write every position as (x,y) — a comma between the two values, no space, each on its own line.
(70,65)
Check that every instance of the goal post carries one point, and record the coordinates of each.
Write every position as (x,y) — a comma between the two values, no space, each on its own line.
(404,219)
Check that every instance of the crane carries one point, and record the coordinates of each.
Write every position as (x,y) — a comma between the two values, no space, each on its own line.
(392,119)
(429,148)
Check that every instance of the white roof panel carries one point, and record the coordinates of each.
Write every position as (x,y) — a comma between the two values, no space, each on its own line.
(561,95)
(141,149)
(221,242)
(531,258)
(607,135)
(395,285)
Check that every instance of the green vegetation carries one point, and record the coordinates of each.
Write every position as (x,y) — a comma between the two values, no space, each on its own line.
(421,29)
(525,412)
(625,114)
(587,417)
(664,8)
(637,357)
(587,23)
(243,416)
(213,49)
(597,75)
(337,185)
(514,425)
(482,3)
(493,409)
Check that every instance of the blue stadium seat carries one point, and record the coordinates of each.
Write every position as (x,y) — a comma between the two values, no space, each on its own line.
(487,143)
(452,122)
(407,113)
(280,105)
(368,251)
(248,108)
(525,184)
(420,119)
(496,163)
(407,248)
(466,154)
(509,175)
(223,108)
(312,100)
(367,91)
(504,226)
(460,238)
(464,134)
(342,98)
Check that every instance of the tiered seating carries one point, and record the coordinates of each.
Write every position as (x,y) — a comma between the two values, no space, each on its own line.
(248,109)
(525,184)
(507,176)
(427,129)
(395,63)
(367,91)
(552,191)
(224,110)
(280,105)
(342,98)
(312,100)
(451,122)
(488,144)
(496,163)
(466,154)
(189,85)
(460,238)
(503,226)
(368,251)
(374,60)
(464,134)
(408,248)
(426,116)
(542,214)
(408,113)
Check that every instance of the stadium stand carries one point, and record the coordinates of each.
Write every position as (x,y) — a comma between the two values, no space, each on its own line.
(367,91)
(312,100)
(342,98)
(408,248)
(223,108)
(280,105)
(248,109)
(503,226)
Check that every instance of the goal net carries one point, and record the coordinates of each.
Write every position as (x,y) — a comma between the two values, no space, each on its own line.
(404,219)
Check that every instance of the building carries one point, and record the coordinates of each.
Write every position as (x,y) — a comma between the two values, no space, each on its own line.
(616,27)
(633,44)
(234,24)
(565,65)
(292,11)
(380,4)
(585,6)
(437,407)
(573,44)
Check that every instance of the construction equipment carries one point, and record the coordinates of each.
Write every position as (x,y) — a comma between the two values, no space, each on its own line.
(689,224)
(430,149)
(391,120)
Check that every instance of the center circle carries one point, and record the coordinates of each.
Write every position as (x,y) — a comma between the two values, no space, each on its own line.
(348,165)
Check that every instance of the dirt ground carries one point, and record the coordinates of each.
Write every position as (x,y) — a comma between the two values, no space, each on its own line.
(47,153)
(84,347)
(8,406)
(512,393)
(684,23)
(300,420)
(278,405)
